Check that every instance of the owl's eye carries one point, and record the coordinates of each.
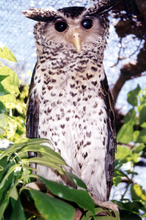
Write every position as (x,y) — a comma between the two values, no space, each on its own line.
(60,26)
(87,23)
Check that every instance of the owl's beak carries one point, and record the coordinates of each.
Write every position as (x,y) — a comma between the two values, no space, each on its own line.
(76,40)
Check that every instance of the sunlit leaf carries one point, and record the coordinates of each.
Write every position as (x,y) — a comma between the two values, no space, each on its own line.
(80,197)
(144,215)
(138,148)
(123,154)
(116,180)
(11,89)
(2,77)
(6,54)
(135,135)
(3,123)
(138,193)
(125,135)
(9,101)
(143,125)
(3,91)
(11,76)
(52,208)
(21,107)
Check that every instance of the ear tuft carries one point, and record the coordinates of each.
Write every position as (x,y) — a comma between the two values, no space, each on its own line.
(39,14)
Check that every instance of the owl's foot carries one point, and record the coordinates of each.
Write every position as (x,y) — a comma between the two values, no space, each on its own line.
(37,185)
(106,204)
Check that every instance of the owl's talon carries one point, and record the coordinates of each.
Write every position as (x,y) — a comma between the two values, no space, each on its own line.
(106,204)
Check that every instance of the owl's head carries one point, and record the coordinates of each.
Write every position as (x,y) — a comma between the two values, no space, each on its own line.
(74,27)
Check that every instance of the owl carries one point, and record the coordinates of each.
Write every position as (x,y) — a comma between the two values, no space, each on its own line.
(69,98)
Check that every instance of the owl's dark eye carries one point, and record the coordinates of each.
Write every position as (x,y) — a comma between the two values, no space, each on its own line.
(60,26)
(87,23)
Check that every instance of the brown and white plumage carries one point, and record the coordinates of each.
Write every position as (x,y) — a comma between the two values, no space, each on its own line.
(69,101)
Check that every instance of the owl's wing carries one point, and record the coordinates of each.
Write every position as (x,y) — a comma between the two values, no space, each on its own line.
(32,117)
(111,148)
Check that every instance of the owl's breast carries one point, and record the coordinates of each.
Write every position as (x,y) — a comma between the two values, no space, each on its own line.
(72,113)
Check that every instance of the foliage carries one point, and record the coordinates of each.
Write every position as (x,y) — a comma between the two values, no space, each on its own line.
(15,171)
(11,101)
(132,132)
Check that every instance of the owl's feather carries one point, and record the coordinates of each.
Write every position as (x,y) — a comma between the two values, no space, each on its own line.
(69,101)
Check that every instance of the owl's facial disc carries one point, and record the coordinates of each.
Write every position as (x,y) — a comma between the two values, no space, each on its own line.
(76,40)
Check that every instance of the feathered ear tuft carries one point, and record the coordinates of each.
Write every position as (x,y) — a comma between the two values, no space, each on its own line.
(38,14)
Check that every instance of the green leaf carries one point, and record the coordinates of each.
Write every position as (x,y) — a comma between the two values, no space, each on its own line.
(77,181)
(11,76)
(142,114)
(18,212)
(135,135)
(46,161)
(130,117)
(9,209)
(45,150)
(9,101)
(144,215)
(143,125)
(132,96)
(52,208)
(138,193)
(3,123)
(80,197)
(11,89)
(89,216)
(142,96)
(125,135)
(138,148)
(5,186)
(13,193)
(6,54)
(7,179)
(3,91)
(4,205)
(21,128)
(116,180)
(123,154)
(2,77)
(3,163)
(105,218)
(142,136)
(38,141)
(126,215)
(2,108)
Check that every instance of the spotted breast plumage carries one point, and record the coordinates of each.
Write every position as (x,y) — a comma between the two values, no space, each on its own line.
(69,101)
